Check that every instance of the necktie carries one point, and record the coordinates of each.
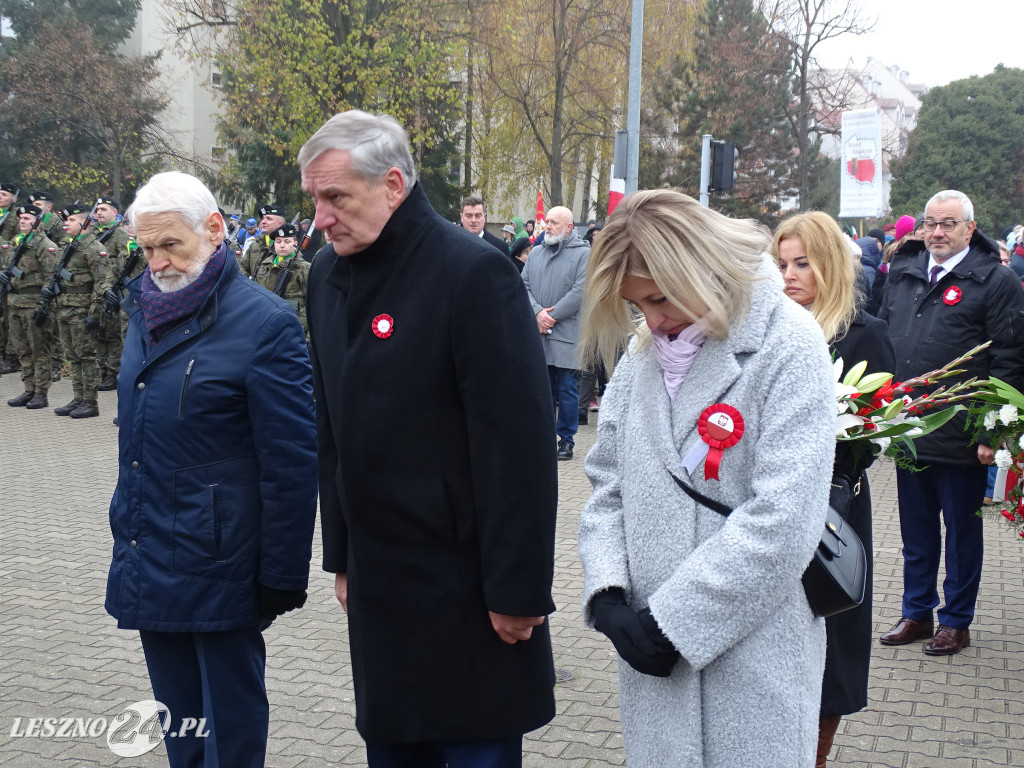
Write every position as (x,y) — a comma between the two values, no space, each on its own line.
(934,274)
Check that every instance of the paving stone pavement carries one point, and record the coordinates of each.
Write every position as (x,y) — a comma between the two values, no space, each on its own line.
(61,655)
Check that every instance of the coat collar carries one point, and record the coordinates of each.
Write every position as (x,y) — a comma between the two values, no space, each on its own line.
(977,265)
(717,367)
(401,232)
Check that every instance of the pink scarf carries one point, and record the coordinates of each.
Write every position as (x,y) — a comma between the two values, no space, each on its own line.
(676,357)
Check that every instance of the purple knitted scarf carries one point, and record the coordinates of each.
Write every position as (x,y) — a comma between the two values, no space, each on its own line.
(161,311)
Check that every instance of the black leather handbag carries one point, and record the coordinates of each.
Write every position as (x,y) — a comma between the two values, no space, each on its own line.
(836,578)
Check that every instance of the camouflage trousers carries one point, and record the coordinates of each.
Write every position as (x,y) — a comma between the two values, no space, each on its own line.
(79,347)
(30,344)
(4,335)
(109,343)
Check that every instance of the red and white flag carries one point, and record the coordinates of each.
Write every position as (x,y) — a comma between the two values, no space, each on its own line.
(538,224)
(616,191)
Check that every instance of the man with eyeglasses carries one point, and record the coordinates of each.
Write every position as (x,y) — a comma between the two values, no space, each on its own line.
(945,295)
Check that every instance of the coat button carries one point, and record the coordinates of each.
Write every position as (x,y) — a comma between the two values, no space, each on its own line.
(918,314)
(135,465)
(142,385)
(133,544)
(186,331)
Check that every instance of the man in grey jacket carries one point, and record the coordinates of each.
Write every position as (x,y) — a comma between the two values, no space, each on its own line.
(554,276)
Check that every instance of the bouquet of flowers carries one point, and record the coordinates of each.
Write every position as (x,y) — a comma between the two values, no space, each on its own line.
(883,417)
(1000,419)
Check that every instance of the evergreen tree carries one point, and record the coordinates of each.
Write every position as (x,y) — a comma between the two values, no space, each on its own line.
(969,136)
(733,88)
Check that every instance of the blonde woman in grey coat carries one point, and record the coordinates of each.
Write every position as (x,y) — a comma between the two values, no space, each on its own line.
(720,656)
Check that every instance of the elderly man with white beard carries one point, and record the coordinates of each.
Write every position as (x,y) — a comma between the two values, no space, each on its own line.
(213,514)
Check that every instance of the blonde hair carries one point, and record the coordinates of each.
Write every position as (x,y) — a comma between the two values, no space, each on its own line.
(835,270)
(705,264)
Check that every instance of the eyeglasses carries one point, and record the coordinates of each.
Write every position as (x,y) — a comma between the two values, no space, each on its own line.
(948,225)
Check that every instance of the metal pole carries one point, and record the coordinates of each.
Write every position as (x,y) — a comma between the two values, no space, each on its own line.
(636,50)
(705,169)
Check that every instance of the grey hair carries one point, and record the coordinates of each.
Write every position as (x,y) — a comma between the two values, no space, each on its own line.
(375,143)
(960,197)
(174,192)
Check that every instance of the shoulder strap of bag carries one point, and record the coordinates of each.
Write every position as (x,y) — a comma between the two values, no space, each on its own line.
(700,498)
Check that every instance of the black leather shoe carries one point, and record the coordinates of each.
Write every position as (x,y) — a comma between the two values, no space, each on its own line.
(948,641)
(21,400)
(85,410)
(564,450)
(907,631)
(108,383)
(64,410)
(38,401)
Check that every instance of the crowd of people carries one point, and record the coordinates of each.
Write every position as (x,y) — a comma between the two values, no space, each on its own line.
(254,381)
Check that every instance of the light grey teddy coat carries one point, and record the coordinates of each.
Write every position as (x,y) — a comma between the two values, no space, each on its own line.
(554,278)
(725,590)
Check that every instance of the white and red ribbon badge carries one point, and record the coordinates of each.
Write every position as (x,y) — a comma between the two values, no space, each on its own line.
(720,426)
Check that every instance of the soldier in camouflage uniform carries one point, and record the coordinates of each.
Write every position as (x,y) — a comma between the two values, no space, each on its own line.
(260,247)
(52,226)
(78,313)
(271,271)
(8,231)
(29,340)
(114,240)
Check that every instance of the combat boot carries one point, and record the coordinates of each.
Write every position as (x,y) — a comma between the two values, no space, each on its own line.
(64,410)
(21,400)
(86,410)
(108,383)
(55,374)
(11,364)
(38,401)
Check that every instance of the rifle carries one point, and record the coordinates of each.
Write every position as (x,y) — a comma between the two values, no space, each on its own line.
(4,219)
(282,280)
(13,270)
(112,298)
(53,288)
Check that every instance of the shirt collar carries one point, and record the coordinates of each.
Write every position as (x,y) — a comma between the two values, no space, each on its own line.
(948,264)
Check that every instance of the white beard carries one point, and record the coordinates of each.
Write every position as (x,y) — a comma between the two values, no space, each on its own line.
(552,239)
(171,280)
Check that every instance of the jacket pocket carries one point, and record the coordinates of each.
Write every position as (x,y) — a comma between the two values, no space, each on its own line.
(217,512)
(184,387)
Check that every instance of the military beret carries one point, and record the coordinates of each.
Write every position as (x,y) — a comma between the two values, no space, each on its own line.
(287,230)
(271,210)
(44,197)
(30,209)
(9,188)
(74,208)
(108,201)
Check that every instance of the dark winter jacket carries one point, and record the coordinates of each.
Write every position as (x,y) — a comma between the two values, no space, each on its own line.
(438,478)
(980,300)
(216,489)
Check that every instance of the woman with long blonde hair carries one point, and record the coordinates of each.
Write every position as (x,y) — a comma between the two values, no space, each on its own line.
(819,275)
(710,475)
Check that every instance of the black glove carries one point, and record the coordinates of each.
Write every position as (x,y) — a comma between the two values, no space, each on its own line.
(5,280)
(111,301)
(92,323)
(40,318)
(48,293)
(274,602)
(636,636)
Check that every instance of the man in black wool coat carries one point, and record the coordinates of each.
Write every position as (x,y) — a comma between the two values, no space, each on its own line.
(438,510)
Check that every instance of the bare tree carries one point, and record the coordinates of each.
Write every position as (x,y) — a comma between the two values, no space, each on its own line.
(807,24)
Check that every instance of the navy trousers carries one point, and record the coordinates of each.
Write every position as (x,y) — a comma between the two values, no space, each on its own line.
(955,492)
(565,388)
(219,676)
(502,753)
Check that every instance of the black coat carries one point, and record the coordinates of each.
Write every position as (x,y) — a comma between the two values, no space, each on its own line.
(438,479)
(930,326)
(497,242)
(844,688)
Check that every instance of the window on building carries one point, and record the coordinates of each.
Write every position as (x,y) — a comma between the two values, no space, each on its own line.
(215,79)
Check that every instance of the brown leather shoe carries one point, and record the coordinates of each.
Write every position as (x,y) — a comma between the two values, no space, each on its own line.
(948,641)
(907,631)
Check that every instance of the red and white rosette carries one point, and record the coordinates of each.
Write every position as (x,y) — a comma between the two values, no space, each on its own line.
(952,295)
(721,427)
(383,326)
